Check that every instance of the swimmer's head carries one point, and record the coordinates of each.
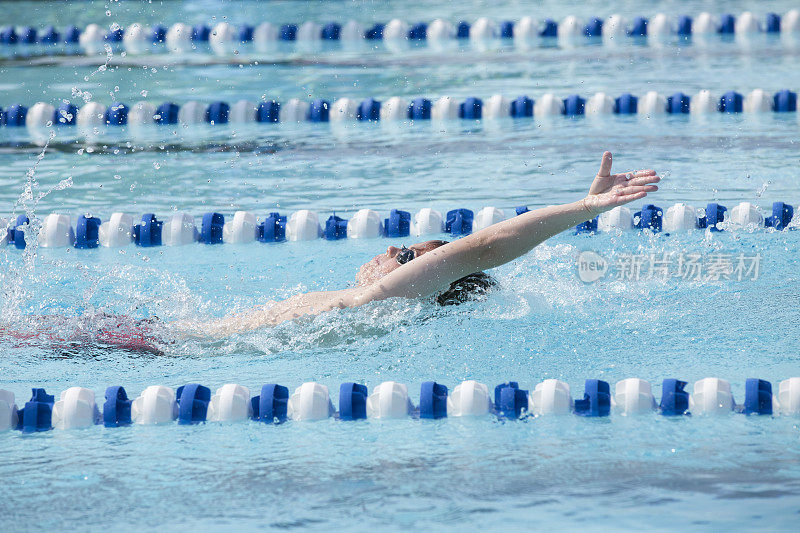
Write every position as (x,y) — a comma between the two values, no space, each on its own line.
(392,259)
(467,288)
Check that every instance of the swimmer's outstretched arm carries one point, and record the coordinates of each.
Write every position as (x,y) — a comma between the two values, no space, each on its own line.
(505,241)
(434,271)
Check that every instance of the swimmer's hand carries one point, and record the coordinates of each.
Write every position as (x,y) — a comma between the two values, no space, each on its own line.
(611,190)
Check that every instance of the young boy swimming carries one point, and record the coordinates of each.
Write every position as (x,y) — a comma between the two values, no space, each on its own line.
(450,271)
(446,269)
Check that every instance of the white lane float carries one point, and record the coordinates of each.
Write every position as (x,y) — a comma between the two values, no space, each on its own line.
(75,409)
(155,405)
(745,215)
(487,217)
(40,115)
(441,30)
(757,101)
(790,23)
(231,403)
(92,39)
(395,30)
(8,410)
(303,225)
(243,111)
(746,24)
(618,219)
(309,32)
(141,113)
(295,110)
(711,396)
(352,31)
(599,104)
(526,31)
(179,38)
(680,217)
(427,221)
(789,396)
(652,103)
(469,398)
(659,28)
(548,105)
(56,231)
(365,224)
(192,112)
(614,30)
(551,397)
(310,401)
(704,24)
(703,103)
(222,38)
(389,400)
(242,228)
(116,231)
(91,114)
(570,31)
(394,109)
(483,30)
(265,36)
(179,229)
(445,108)
(136,39)
(344,110)
(498,106)
(633,396)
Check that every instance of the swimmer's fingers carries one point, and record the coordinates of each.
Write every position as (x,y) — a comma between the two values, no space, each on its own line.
(629,190)
(627,176)
(631,197)
(622,194)
(604,180)
(644,180)
(605,165)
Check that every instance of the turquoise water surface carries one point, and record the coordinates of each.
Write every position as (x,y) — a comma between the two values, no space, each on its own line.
(644,472)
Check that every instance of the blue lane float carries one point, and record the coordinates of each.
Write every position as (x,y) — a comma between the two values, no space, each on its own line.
(432,400)
(194,403)
(596,399)
(117,408)
(92,115)
(510,401)
(90,232)
(674,399)
(271,405)
(225,38)
(193,400)
(37,413)
(353,401)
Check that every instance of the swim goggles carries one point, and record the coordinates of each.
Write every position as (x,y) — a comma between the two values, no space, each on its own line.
(405,255)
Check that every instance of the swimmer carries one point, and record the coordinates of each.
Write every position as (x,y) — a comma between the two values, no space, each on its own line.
(448,271)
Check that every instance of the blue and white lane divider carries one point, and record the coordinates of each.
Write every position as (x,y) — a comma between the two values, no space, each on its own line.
(194,403)
(683,217)
(121,229)
(93,115)
(225,38)
(59,230)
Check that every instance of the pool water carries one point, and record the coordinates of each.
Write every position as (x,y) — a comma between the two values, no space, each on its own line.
(542,322)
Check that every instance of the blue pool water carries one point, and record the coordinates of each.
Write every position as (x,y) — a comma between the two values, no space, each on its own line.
(543,322)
